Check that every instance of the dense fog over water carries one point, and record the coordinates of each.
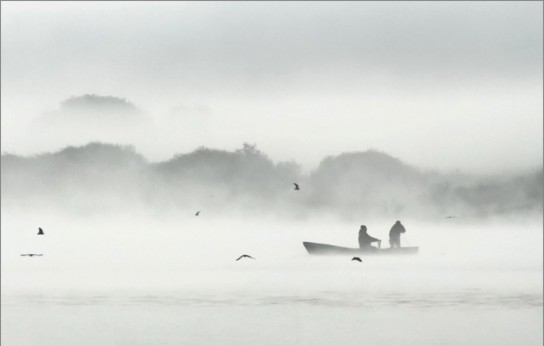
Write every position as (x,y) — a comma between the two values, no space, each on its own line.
(115,220)
(155,143)
(110,178)
(133,251)
(431,83)
(132,278)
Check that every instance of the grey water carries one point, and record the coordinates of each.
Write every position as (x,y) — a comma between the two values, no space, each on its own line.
(135,280)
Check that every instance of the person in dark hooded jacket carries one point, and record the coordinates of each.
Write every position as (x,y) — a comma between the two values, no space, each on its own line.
(366,240)
(394,234)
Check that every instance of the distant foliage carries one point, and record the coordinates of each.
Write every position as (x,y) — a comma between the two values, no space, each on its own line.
(486,196)
(96,103)
(246,175)
(92,176)
(353,185)
(367,183)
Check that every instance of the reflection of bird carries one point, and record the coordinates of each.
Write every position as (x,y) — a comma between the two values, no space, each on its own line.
(32,254)
(198,212)
(248,256)
(296,186)
(356,259)
(40,231)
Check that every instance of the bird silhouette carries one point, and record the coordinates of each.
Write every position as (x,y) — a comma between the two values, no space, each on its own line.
(356,259)
(296,186)
(197,213)
(40,231)
(248,256)
(32,254)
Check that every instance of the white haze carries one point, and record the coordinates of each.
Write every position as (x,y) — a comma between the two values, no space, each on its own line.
(446,85)
(142,279)
(172,248)
(452,89)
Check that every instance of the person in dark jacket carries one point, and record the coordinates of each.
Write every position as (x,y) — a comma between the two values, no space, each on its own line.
(394,234)
(366,240)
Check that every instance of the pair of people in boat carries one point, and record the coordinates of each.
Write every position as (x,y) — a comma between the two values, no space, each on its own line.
(365,240)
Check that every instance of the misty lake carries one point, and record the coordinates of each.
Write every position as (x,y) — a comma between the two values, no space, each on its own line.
(179,284)
(155,143)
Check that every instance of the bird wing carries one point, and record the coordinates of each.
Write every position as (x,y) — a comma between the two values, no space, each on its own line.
(239,258)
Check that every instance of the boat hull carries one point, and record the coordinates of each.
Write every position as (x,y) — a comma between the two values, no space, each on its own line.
(326,249)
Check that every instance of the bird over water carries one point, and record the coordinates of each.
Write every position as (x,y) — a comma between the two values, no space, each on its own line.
(248,256)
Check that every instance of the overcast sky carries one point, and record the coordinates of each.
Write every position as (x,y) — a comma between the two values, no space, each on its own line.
(445,85)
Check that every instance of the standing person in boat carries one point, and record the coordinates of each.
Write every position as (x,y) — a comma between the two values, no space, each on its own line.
(366,240)
(394,234)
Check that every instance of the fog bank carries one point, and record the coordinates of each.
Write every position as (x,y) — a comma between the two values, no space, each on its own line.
(106,178)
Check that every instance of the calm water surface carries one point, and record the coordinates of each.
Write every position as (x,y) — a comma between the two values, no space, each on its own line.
(179,285)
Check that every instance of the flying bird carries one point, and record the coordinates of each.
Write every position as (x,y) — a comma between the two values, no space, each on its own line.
(356,259)
(450,217)
(248,256)
(197,213)
(32,254)
(296,186)
(40,231)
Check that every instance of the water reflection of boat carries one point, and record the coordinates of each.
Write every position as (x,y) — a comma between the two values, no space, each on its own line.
(326,249)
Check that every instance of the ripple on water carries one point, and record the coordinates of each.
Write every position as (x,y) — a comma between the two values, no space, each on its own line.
(427,300)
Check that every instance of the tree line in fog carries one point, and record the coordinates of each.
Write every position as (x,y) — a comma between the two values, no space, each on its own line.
(106,177)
